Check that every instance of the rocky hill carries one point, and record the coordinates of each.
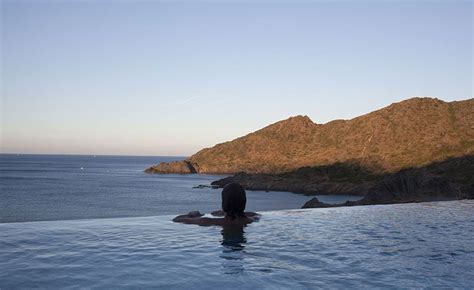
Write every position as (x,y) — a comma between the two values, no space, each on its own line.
(411,133)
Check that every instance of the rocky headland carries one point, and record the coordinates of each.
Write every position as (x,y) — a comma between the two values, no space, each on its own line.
(337,179)
(179,167)
(446,180)
(391,151)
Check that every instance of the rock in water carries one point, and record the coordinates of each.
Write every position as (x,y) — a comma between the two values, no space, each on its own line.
(315,203)
(179,167)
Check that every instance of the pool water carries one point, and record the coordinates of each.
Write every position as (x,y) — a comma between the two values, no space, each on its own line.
(397,246)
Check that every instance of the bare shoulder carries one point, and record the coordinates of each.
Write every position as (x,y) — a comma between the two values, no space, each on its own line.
(240,221)
(197,219)
(221,213)
(202,221)
(252,214)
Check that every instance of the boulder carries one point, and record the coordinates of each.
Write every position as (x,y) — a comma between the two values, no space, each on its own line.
(315,203)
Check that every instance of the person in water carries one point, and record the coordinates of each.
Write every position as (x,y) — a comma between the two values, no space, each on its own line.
(233,210)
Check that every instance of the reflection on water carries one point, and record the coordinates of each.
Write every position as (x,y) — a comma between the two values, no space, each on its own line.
(233,238)
(233,242)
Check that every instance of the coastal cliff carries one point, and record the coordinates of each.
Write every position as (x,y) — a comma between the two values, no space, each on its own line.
(420,149)
(411,133)
(445,180)
(179,167)
(337,179)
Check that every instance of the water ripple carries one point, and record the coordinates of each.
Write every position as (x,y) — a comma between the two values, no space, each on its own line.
(395,246)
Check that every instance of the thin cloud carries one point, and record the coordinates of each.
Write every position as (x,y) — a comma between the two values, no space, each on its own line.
(186,101)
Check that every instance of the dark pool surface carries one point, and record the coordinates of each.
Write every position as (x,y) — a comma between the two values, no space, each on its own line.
(427,245)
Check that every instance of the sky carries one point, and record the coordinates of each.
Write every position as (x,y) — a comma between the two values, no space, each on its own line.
(170,78)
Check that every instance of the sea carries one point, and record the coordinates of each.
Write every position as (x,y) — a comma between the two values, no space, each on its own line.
(70,222)
(64,187)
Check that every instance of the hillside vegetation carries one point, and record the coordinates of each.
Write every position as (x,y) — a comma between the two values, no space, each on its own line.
(411,133)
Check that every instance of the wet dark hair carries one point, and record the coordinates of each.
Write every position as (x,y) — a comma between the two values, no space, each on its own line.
(234,200)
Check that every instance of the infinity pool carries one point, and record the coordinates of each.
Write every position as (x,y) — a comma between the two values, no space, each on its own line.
(409,245)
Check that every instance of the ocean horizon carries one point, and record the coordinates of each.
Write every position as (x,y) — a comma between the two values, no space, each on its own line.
(62,187)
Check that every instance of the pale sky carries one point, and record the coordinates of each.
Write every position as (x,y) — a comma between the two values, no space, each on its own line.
(169,78)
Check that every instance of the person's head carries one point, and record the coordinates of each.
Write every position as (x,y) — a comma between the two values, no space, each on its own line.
(233,200)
